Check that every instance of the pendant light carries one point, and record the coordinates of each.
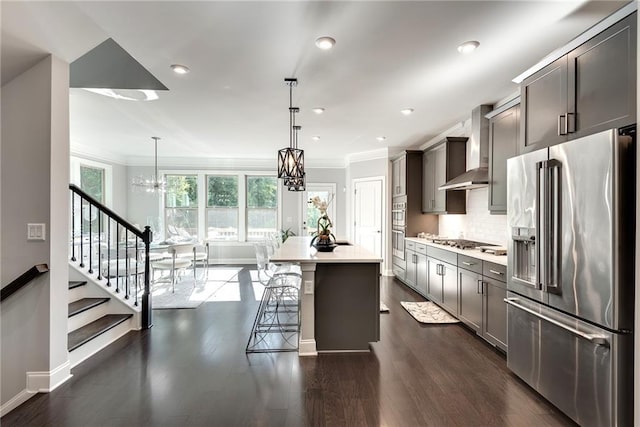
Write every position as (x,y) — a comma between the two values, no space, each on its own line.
(296,184)
(291,159)
(153,184)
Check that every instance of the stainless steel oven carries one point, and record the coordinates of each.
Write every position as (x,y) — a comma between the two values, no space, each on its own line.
(398,243)
(399,215)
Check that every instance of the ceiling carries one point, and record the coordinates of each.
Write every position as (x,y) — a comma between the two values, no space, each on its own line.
(389,55)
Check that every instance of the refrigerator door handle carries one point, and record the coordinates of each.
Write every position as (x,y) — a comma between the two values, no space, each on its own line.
(593,338)
(554,206)
(540,238)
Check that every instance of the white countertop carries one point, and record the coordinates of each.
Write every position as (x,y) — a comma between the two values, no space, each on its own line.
(475,253)
(297,249)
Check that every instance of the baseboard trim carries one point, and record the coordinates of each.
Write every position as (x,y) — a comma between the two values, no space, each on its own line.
(47,381)
(307,348)
(388,273)
(16,401)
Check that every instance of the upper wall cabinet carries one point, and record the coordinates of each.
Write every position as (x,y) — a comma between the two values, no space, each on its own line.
(440,164)
(592,88)
(504,131)
(399,176)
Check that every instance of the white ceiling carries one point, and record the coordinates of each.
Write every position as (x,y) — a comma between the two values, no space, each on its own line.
(233,104)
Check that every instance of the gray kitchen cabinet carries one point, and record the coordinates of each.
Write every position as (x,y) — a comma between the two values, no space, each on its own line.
(592,88)
(602,81)
(440,164)
(470,298)
(415,275)
(399,176)
(504,131)
(494,321)
(543,98)
(450,288)
(422,279)
(435,280)
(412,268)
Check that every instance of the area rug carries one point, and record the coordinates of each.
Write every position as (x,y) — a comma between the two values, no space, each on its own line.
(187,295)
(428,312)
(383,307)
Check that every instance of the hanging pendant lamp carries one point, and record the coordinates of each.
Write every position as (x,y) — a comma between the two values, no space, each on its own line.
(291,159)
(153,184)
(296,184)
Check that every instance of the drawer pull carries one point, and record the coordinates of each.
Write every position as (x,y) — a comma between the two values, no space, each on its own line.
(468,263)
(499,273)
(593,338)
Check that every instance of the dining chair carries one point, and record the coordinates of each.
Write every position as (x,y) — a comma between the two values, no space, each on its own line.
(279,309)
(174,265)
(199,255)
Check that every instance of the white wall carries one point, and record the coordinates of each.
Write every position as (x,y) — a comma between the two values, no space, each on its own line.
(34,184)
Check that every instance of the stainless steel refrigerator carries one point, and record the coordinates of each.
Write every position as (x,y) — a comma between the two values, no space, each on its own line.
(571,215)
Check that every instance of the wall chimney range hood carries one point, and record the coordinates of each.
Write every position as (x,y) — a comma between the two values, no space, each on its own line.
(477,154)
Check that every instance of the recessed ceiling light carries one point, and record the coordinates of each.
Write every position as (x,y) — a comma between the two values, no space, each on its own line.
(315,138)
(318,110)
(325,43)
(407,111)
(468,47)
(180,69)
(381,138)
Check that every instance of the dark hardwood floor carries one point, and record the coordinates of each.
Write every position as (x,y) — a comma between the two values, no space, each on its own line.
(191,369)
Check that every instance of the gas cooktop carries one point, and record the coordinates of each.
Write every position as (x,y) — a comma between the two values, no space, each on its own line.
(459,243)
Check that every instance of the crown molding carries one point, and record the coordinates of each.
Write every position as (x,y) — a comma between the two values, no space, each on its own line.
(380,153)
(462,128)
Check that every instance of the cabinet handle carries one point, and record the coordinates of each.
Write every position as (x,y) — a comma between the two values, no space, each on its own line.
(562,128)
(480,287)
(468,263)
(499,273)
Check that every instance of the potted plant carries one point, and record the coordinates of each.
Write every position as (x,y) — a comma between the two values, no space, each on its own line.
(323,239)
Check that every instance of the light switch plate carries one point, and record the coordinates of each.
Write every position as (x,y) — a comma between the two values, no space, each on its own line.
(36,231)
(308,287)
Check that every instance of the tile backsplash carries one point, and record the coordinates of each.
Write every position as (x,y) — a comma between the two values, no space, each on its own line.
(477,224)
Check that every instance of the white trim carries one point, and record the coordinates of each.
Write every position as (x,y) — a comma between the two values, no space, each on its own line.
(74,169)
(16,401)
(461,128)
(380,153)
(504,107)
(97,153)
(388,273)
(307,347)
(607,22)
(47,381)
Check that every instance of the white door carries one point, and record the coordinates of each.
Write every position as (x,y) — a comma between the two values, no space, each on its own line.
(368,214)
(310,214)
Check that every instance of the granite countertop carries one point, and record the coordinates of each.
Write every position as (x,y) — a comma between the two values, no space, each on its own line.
(297,249)
(475,253)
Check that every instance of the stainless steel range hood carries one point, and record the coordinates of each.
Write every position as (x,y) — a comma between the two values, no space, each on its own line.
(477,154)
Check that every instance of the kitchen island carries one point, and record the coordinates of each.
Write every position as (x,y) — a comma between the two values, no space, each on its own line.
(340,296)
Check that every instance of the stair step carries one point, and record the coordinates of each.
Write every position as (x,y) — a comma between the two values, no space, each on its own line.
(85,304)
(76,283)
(88,332)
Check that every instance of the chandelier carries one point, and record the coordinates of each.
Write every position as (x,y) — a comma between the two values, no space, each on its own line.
(291,159)
(153,184)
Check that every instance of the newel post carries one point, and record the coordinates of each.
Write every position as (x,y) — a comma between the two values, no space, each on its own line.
(147,321)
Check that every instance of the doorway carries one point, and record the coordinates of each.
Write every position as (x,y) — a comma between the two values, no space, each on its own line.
(368,214)
(310,214)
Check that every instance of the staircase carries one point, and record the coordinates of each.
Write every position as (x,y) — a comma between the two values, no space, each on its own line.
(95,321)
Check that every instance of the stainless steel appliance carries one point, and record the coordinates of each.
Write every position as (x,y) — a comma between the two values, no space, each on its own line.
(571,213)
(398,230)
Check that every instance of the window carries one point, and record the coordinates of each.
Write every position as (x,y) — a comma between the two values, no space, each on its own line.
(222,208)
(262,206)
(310,214)
(92,181)
(181,206)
